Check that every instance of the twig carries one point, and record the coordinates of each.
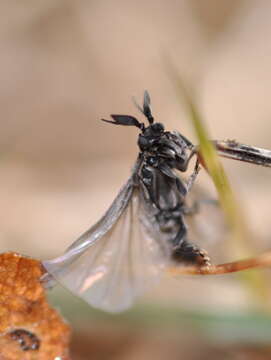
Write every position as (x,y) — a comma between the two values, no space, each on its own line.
(263,260)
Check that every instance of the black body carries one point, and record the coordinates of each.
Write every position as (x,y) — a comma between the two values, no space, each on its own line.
(161,153)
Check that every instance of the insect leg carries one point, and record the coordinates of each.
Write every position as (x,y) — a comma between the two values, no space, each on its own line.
(182,164)
(193,176)
(184,188)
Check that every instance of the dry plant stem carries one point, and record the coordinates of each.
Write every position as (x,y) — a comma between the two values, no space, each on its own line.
(263,260)
(233,150)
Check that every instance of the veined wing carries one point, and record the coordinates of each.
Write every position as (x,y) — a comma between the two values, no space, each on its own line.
(118,258)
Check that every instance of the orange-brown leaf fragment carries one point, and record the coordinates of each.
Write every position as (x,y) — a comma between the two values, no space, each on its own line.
(29,328)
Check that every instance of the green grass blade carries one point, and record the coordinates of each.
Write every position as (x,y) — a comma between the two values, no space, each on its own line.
(240,244)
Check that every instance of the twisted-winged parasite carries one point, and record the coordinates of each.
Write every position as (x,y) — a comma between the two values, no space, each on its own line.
(144,230)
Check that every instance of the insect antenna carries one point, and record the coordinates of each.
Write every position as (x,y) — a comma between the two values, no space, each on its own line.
(126,120)
(146,110)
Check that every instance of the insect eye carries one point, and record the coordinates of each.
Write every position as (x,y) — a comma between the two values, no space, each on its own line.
(143,142)
(158,128)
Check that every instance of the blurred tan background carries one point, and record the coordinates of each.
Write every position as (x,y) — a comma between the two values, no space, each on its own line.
(65,64)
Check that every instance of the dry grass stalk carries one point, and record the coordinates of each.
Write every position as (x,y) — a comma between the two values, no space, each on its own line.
(260,261)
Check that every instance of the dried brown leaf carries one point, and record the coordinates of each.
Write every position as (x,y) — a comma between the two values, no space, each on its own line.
(30,328)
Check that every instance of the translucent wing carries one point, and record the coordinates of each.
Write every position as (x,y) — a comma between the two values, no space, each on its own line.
(206,223)
(117,259)
(107,221)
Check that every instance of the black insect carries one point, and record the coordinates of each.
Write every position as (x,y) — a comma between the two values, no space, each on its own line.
(26,339)
(144,230)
